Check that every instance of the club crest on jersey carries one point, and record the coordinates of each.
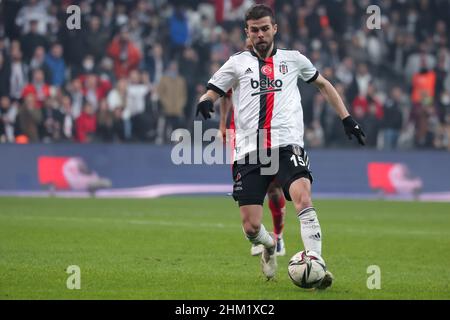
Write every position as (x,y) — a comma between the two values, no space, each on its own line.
(283,67)
(266,70)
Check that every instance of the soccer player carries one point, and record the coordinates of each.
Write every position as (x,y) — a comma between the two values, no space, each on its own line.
(277,202)
(268,115)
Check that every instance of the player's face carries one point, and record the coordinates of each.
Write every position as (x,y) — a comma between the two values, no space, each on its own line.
(261,33)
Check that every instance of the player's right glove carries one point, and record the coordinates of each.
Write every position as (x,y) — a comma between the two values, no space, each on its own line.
(205,107)
(352,127)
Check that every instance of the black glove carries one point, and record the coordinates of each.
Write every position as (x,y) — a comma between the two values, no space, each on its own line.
(205,107)
(352,127)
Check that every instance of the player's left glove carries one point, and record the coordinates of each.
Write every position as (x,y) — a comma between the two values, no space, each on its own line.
(352,127)
(205,107)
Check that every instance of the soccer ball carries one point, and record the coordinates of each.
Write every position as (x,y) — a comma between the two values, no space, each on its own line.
(306,269)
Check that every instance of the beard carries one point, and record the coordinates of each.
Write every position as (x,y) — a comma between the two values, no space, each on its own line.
(263,47)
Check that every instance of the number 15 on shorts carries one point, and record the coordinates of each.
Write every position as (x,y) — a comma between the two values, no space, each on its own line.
(298,160)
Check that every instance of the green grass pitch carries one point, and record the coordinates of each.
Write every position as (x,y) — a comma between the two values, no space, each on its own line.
(194,248)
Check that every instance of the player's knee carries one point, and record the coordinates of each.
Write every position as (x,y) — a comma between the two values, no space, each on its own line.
(250,229)
(302,201)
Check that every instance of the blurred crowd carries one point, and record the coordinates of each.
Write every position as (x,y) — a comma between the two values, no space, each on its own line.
(135,69)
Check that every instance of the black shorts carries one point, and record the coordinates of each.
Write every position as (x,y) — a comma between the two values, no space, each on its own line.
(250,186)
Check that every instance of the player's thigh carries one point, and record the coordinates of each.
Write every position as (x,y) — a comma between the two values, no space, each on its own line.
(294,164)
(251,214)
(300,193)
(250,186)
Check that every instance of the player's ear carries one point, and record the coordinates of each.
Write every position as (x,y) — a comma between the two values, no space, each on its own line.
(246,32)
(275,29)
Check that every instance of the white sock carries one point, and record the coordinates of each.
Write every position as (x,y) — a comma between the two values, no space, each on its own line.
(262,237)
(310,230)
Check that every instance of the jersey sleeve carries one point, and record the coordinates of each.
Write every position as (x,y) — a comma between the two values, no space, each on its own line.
(223,79)
(307,71)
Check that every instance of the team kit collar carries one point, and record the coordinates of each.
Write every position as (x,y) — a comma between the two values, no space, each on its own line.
(274,51)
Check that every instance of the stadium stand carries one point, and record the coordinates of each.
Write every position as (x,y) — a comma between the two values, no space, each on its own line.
(108,81)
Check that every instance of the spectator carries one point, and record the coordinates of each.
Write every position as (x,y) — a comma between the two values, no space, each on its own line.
(119,125)
(75,90)
(96,39)
(38,62)
(86,124)
(375,48)
(363,102)
(105,122)
(155,63)
(179,31)
(38,88)
(117,96)
(314,135)
(106,70)
(326,117)
(361,81)
(125,54)
(221,49)
(68,120)
(356,49)
(94,89)
(345,71)
(172,92)
(188,66)
(52,119)
(442,74)
(139,87)
(399,50)
(31,40)
(74,47)
(117,99)
(418,61)
(334,35)
(426,122)
(5,75)
(19,73)
(423,82)
(447,131)
(393,119)
(444,105)
(55,62)
(34,16)
(29,118)
(371,124)
(136,31)
(8,113)
(110,125)
(88,66)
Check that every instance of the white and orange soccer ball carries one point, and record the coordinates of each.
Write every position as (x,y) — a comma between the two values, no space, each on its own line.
(307,269)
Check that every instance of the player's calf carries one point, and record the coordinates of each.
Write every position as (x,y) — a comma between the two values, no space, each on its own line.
(268,256)
(261,237)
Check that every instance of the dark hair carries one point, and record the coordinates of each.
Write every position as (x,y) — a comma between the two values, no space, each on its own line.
(259,11)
